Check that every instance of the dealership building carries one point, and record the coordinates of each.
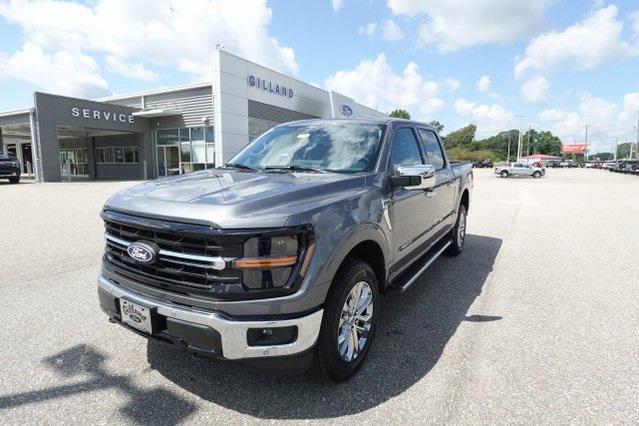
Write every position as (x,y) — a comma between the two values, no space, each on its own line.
(163,132)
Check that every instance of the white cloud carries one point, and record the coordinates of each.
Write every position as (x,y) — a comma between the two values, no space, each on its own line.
(535,89)
(483,84)
(368,30)
(375,84)
(391,31)
(489,119)
(175,34)
(135,71)
(606,121)
(337,5)
(73,74)
(457,24)
(452,84)
(595,41)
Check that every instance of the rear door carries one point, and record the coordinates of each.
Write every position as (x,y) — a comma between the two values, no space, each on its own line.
(447,183)
(411,211)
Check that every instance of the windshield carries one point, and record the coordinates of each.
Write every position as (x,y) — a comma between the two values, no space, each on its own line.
(334,147)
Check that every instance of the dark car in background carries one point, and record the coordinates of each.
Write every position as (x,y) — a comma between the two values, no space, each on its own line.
(485,164)
(9,168)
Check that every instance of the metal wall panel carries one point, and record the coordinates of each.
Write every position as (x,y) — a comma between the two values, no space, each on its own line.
(12,120)
(194,104)
(273,113)
(134,102)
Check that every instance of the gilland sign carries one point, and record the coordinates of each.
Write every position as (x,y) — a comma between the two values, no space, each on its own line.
(96,114)
(269,86)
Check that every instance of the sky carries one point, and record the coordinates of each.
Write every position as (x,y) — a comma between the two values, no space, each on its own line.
(555,65)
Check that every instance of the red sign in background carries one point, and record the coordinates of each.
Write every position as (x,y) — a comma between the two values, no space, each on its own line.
(577,148)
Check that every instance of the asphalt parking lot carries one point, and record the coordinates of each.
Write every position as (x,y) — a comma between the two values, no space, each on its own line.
(536,322)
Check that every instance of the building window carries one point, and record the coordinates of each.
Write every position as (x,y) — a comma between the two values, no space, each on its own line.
(116,154)
(195,146)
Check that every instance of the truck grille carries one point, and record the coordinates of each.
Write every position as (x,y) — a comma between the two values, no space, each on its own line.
(192,259)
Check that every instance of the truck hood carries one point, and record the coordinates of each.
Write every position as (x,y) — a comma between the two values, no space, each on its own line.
(224,198)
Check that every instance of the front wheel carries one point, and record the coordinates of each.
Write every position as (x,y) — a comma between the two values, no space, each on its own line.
(14,179)
(349,321)
(537,175)
(504,174)
(458,234)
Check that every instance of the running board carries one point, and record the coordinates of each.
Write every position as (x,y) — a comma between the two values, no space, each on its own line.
(408,278)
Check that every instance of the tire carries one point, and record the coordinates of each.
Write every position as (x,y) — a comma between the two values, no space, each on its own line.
(14,179)
(537,175)
(504,174)
(333,357)
(458,233)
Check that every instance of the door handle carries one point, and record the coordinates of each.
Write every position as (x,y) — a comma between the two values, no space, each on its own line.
(430,194)
(451,184)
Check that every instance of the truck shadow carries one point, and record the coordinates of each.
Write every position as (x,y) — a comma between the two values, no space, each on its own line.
(413,331)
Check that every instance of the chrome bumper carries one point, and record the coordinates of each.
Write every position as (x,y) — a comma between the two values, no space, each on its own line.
(233,333)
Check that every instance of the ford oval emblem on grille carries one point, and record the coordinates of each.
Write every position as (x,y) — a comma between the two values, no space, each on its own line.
(142,252)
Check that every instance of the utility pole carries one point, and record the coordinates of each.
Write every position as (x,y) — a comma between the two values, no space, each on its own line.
(508,156)
(520,138)
(586,150)
(616,148)
(637,138)
(528,141)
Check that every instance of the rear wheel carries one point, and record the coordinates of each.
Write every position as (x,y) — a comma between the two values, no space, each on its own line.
(349,321)
(458,234)
(14,179)
(503,174)
(537,175)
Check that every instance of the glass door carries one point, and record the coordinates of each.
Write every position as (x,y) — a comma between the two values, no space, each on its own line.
(74,162)
(168,161)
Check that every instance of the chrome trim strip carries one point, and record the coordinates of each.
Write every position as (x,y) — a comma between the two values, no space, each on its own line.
(234,344)
(217,262)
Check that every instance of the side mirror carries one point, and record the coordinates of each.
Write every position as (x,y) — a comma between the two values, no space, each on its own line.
(421,176)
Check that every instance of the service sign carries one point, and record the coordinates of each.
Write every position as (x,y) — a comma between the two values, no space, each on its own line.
(96,114)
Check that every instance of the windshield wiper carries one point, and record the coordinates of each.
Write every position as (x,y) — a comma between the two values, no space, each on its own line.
(240,166)
(294,168)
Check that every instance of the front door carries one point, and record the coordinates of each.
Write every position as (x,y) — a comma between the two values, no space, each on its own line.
(411,211)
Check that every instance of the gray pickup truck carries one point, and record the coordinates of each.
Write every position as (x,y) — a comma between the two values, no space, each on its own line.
(280,257)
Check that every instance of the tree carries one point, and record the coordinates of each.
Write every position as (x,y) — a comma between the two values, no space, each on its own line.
(400,113)
(461,137)
(602,156)
(436,125)
(546,143)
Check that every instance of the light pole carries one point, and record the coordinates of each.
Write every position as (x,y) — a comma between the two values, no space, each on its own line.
(520,138)
(586,150)
(508,155)
(630,158)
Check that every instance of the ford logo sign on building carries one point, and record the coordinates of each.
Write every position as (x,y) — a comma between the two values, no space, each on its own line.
(142,252)
(346,110)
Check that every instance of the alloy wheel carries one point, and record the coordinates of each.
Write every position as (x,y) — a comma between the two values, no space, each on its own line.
(355,321)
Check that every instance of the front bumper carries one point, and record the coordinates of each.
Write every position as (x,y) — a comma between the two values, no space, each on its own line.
(211,333)
(9,173)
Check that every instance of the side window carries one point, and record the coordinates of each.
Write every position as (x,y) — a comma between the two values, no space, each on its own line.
(405,151)
(434,154)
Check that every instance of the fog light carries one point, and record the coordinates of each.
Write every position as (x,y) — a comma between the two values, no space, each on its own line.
(271,336)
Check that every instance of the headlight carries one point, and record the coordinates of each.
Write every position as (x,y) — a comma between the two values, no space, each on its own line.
(270,261)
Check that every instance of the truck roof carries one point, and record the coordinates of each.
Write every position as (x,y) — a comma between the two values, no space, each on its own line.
(376,120)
